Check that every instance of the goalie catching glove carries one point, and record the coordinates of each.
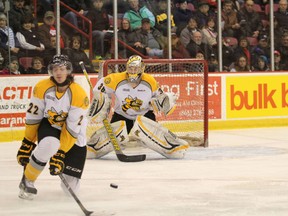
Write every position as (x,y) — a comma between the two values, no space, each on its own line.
(165,102)
(100,107)
(57,163)
(25,152)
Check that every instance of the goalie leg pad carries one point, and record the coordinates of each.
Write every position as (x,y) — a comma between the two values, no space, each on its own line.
(99,144)
(158,138)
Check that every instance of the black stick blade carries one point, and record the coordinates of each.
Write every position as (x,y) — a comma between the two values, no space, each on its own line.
(131,158)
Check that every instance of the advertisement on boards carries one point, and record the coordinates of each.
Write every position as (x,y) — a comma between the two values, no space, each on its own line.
(190,91)
(257,96)
(231,96)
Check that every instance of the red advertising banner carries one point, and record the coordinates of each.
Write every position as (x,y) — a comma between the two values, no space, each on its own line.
(214,97)
(190,91)
(12,120)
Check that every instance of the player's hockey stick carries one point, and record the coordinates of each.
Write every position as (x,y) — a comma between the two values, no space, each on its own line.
(86,212)
(120,155)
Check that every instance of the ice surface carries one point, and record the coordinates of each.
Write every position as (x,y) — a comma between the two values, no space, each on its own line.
(243,172)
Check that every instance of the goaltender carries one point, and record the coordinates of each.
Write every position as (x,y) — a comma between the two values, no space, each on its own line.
(56,119)
(137,95)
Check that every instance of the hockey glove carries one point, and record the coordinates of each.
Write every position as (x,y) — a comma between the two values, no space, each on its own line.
(165,102)
(25,152)
(57,163)
(100,107)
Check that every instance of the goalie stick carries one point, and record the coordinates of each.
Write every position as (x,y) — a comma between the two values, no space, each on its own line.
(86,212)
(120,155)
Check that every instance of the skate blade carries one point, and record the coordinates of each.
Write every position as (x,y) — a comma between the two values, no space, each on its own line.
(24,195)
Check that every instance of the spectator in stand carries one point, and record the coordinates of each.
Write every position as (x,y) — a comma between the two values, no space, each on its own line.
(126,35)
(49,53)
(150,4)
(178,49)
(136,13)
(17,12)
(262,3)
(243,49)
(45,5)
(227,55)
(262,64)
(277,33)
(29,41)
(37,66)
(196,45)
(48,30)
(240,65)
(100,26)
(70,16)
(231,24)
(277,62)
(250,22)
(187,33)
(237,4)
(181,16)
(203,13)
(161,18)
(7,39)
(151,39)
(200,55)
(1,7)
(3,59)
(281,16)
(197,67)
(213,65)
(263,48)
(77,54)
(209,33)
(13,67)
(122,7)
(283,48)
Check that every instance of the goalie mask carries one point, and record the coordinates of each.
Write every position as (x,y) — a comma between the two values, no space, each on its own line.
(60,61)
(134,68)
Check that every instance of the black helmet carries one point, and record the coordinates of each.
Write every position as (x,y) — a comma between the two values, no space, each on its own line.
(60,60)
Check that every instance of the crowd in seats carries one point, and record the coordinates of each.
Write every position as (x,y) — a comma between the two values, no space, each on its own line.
(76,54)
(128,36)
(25,62)
(100,27)
(142,27)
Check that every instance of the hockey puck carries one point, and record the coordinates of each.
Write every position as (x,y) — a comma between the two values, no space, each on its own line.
(114,185)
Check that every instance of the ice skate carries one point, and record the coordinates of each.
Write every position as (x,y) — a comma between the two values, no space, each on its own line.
(27,189)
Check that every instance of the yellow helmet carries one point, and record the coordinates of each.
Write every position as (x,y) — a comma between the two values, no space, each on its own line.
(134,68)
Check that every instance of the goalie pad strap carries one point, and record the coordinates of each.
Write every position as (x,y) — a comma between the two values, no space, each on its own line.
(158,138)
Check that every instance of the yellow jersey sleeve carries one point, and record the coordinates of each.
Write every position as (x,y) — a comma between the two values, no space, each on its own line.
(112,80)
(151,81)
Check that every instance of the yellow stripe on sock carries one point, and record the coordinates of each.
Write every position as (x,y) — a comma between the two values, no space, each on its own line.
(31,173)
